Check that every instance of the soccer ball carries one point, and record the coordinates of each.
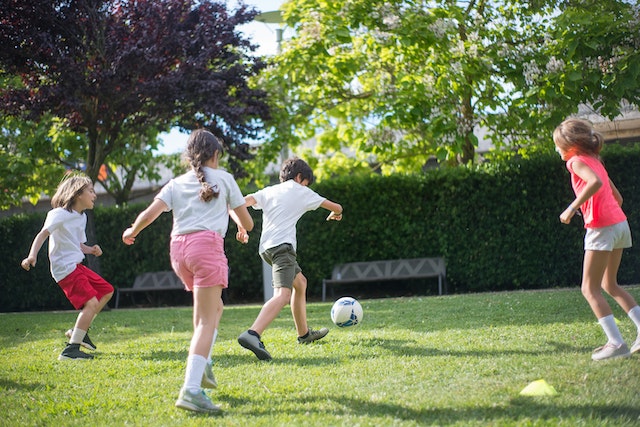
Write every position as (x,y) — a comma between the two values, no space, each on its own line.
(346,311)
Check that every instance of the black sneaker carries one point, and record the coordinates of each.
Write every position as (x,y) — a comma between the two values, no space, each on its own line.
(72,352)
(86,342)
(253,343)
(313,336)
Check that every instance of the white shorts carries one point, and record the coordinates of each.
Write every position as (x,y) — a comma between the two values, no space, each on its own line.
(617,236)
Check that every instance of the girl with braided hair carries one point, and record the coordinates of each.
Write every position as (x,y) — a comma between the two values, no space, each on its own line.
(201,201)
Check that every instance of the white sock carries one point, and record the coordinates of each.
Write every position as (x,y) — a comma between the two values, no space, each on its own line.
(213,341)
(194,372)
(77,336)
(608,323)
(634,315)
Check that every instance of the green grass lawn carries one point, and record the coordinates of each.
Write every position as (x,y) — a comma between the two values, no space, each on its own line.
(458,360)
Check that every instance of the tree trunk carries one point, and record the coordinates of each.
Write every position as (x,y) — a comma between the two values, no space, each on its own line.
(93,262)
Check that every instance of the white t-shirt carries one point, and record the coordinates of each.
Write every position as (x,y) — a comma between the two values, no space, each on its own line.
(282,206)
(66,233)
(190,213)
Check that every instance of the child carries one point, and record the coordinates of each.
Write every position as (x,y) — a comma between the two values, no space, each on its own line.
(282,206)
(200,200)
(65,227)
(607,231)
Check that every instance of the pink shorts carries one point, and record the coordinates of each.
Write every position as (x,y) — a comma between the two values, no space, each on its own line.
(199,259)
(82,284)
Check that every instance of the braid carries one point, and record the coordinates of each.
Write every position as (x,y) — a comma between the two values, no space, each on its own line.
(202,146)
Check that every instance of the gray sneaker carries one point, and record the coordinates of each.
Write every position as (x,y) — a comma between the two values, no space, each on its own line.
(208,380)
(72,352)
(198,402)
(313,336)
(636,345)
(253,343)
(610,351)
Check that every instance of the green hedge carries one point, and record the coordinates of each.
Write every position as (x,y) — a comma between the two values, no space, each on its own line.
(497,227)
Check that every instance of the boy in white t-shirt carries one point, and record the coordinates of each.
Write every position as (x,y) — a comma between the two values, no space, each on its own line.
(65,226)
(282,206)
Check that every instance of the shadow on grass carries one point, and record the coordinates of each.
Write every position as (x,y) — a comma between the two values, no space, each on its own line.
(411,348)
(519,409)
(15,386)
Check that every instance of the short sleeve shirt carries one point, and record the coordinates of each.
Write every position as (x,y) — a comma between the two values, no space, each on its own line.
(602,209)
(190,213)
(66,234)
(282,206)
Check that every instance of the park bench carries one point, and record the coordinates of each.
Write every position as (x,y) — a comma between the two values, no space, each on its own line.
(152,282)
(399,269)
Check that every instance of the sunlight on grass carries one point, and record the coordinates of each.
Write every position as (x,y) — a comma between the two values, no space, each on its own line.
(454,360)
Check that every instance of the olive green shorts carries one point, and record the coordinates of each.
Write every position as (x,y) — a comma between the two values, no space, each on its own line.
(285,268)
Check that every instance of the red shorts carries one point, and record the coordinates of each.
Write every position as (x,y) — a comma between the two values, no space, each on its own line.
(82,285)
(199,259)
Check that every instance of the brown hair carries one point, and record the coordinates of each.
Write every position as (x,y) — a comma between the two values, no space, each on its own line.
(577,136)
(202,146)
(71,186)
(293,167)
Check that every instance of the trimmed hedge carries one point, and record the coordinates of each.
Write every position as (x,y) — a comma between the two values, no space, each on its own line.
(497,227)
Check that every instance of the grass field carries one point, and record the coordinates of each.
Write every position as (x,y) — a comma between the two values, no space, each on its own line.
(458,360)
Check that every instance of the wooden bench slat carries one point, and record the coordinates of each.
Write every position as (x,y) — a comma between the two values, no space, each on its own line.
(151,282)
(400,269)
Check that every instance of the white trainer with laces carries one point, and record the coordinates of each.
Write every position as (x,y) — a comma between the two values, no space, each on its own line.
(610,351)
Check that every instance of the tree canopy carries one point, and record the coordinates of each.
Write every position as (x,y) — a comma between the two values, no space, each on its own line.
(389,85)
(117,72)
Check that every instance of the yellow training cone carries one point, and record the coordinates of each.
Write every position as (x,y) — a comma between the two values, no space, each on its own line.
(538,388)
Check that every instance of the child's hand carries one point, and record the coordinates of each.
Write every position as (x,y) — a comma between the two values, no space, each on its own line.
(335,216)
(565,217)
(127,237)
(242,236)
(28,262)
(96,250)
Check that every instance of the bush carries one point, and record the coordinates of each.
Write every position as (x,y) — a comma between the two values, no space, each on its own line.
(496,226)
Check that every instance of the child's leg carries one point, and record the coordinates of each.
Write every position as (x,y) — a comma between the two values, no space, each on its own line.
(271,309)
(87,314)
(595,265)
(207,310)
(610,283)
(299,304)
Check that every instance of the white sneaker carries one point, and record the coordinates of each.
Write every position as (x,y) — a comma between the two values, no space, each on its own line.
(610,351)
(636,345)
(197,402)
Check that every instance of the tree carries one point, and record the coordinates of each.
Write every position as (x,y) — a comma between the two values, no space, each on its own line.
(389,85)
(594,47)
(116,71)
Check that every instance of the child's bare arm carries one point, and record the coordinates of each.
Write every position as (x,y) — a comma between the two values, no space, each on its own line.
(335,208)
(243,220)
(144,219)
(32,258)
(94,250)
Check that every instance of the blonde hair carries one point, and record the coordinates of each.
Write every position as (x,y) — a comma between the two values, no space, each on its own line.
(577,136)
(71,186)
(202,145)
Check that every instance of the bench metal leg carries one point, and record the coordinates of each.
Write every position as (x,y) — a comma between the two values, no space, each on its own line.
(324,291)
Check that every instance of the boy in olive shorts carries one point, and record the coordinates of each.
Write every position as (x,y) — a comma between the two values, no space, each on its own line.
(282,206)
